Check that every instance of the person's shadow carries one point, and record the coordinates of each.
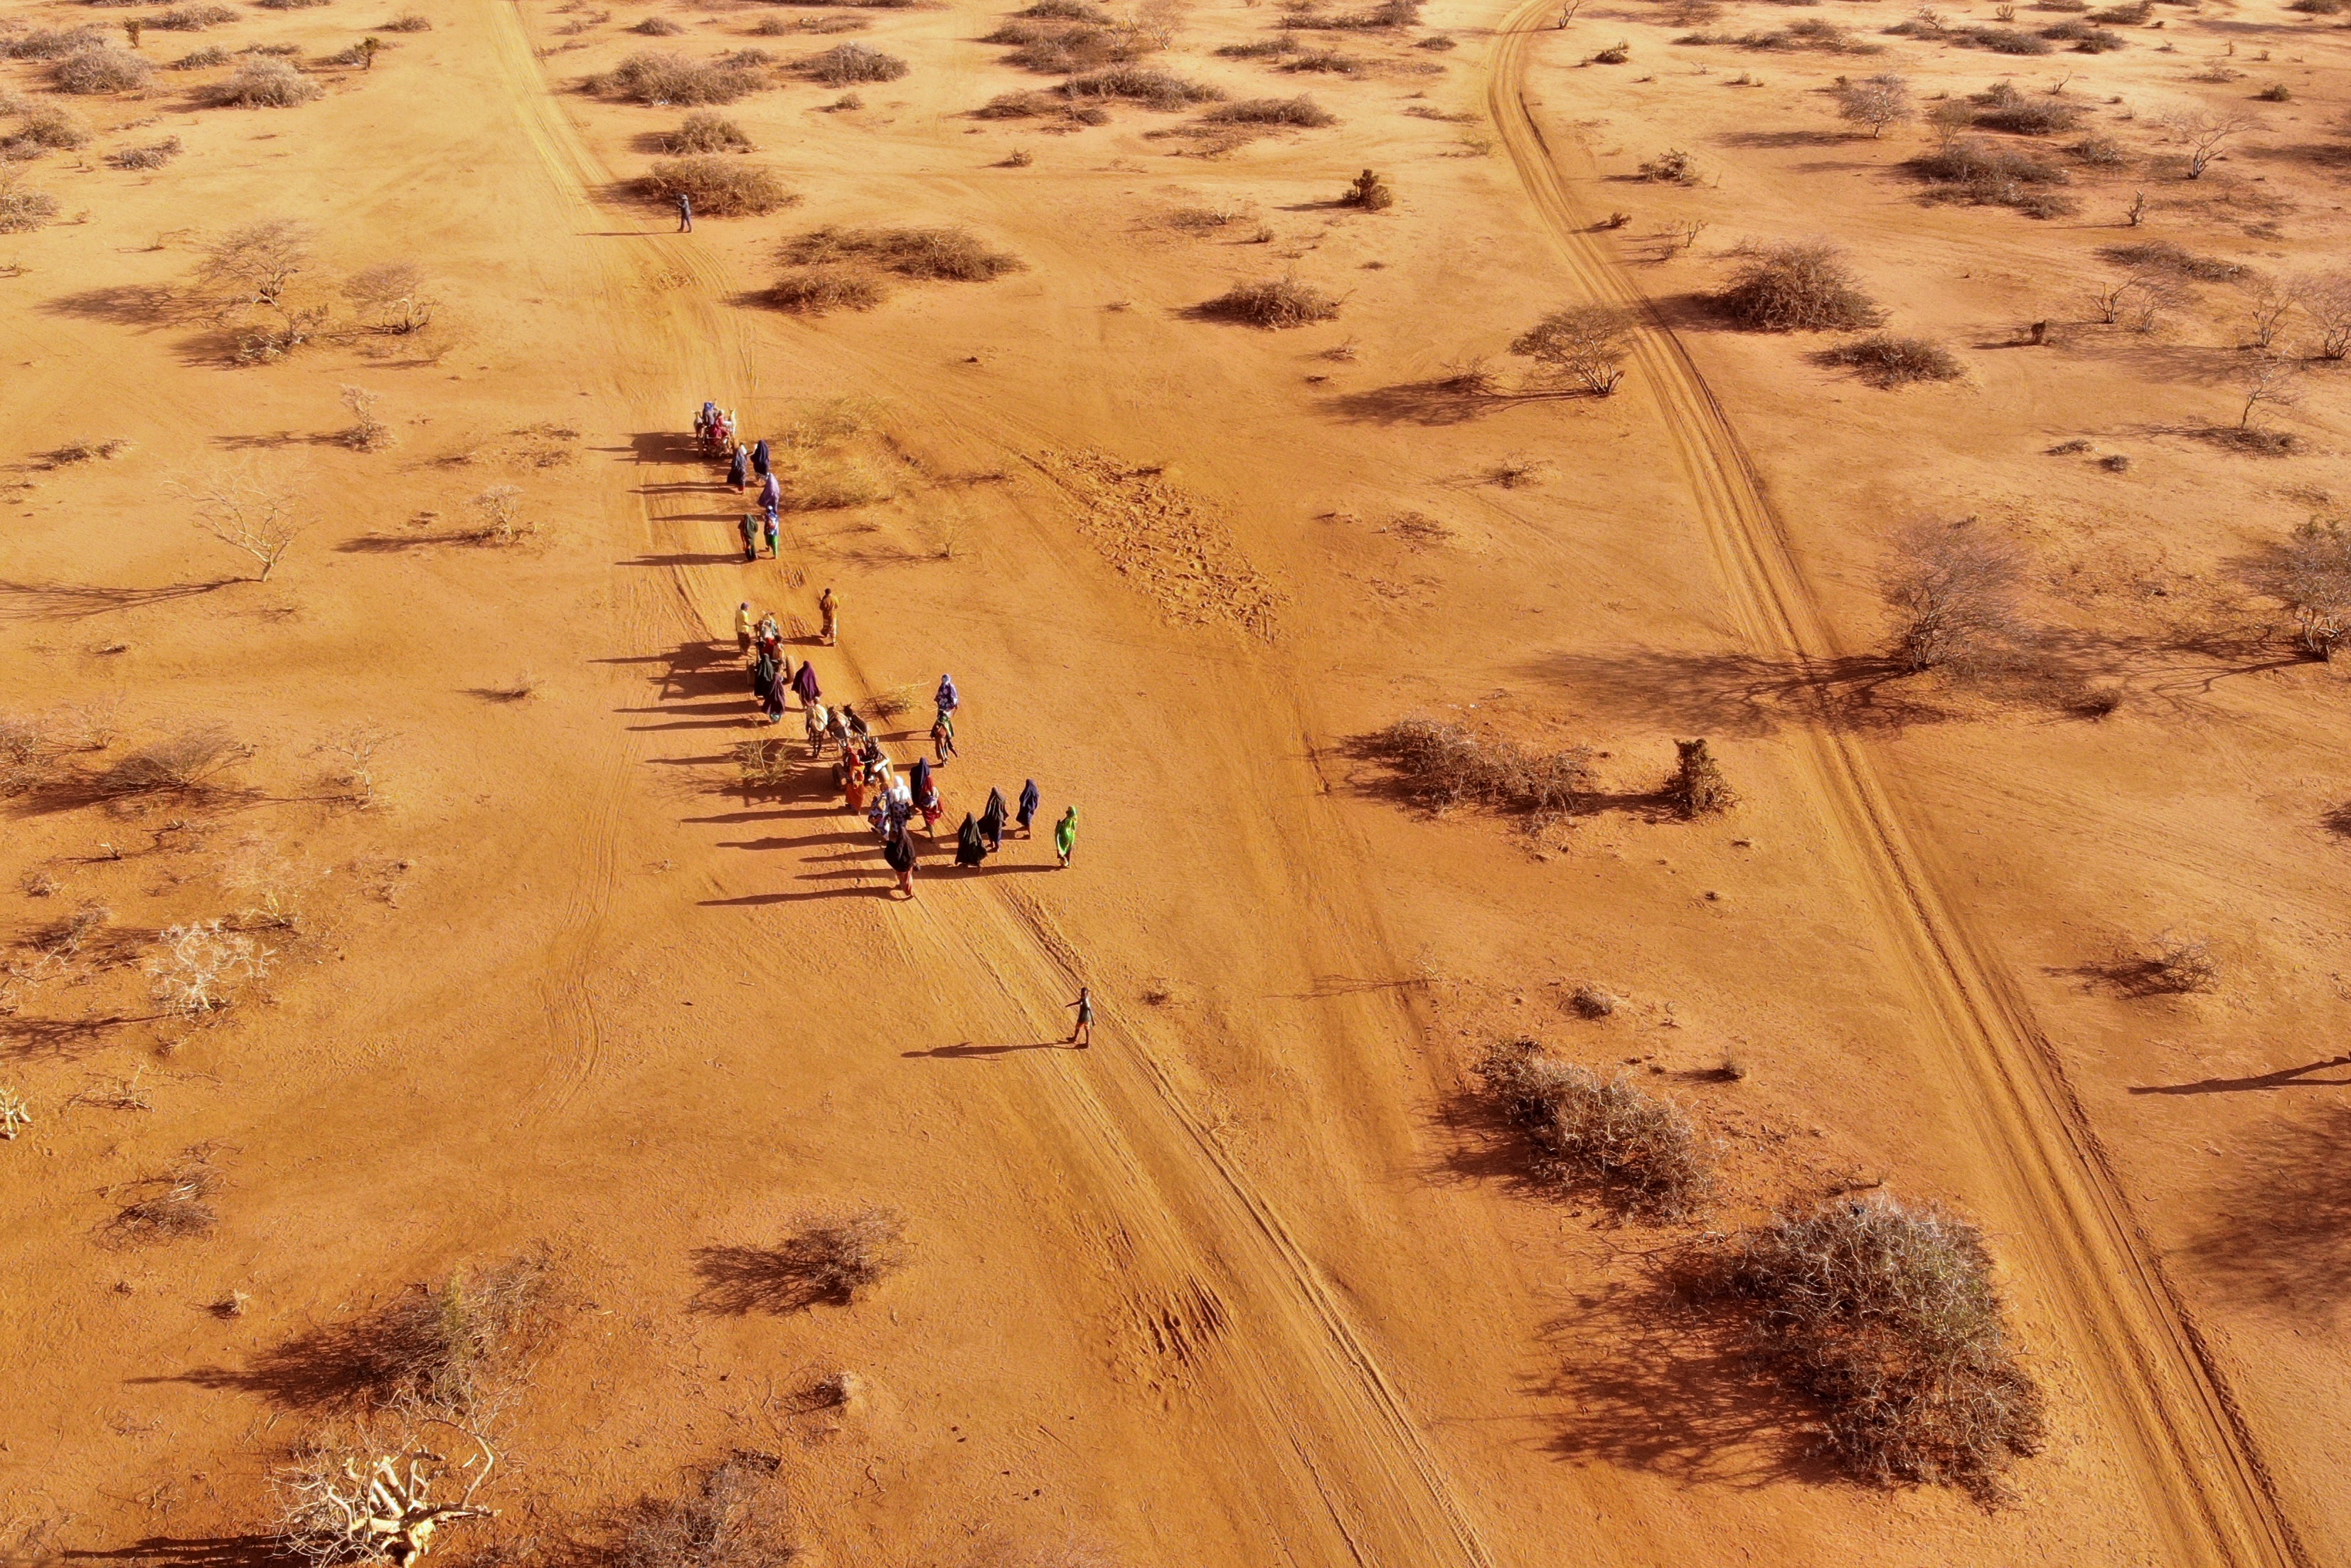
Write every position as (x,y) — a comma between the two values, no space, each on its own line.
(968,1050)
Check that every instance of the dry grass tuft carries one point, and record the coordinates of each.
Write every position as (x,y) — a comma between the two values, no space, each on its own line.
(1636,1152)
(735,1516)
(1302,111)
(22,208)
(1440,765)
(187,763)
(260,84)
(153,155)
(1272,303)
(658,28)
(177,1205)
(845,65)
(1886,1315)
(101,69)
(42,128)
(1798,286)
(706,133)
(1886,359)
(669,79)
(1150,85)
(720,186)
(203,59)
(1697,788)
(929,254)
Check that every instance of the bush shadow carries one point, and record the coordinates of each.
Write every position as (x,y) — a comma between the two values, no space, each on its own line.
(793,1277)
(2282,1233)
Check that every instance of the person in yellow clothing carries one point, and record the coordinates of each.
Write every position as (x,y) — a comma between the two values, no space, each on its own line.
(831,609)
(743,627)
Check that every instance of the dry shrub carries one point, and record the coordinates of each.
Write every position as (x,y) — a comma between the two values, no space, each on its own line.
(1300,110)
(1272,303)
(190,18)
(290,5)
(2162,255)
(1638,1153)
(2171,966)
(720,186)
(50,43)
(735,1516)
(27,758)
(1886,360)
(2085,38)
(706,134)
(1260,48)
(1953,591)
(1876,101)
(951,253)
(2005,109)
(1971,170)
(1697,788)
(1440,765)
(1796,286)
(831,1259)
(260,84)
(448,1342)
(658,28)
(154,155)
(2000,40)
(203,59)
(1327,62)
(664,78)
(844,65)
(187,763)
(1150,85)
(101,69)
(817,290)
(44,127)
(84,449)
(177,1205)
(1369,193)
(2313,575)
(1585,344)
(829,487)
(1061,47)
(1886,1315)
(407,22)
(22,208)
(394,296)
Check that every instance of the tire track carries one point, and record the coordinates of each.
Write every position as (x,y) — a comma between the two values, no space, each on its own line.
(2204,1486)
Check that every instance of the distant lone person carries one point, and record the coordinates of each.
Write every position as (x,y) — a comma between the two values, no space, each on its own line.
(685,214)
(1065,836)
(1081,1033)
(831,609)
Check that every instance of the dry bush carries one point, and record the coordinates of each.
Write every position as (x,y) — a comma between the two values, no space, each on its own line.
(658,28)
(28,759)
(66,935)
(829,487)
(259,84)
(1697,788)
(2162,255)
(407,22)
(153,155)
(706,133)
(101,69)
(84,449)
(1886,360)
(818,289)
(394,296)
(2099,153)
(50,43)
(1389,14)
(189,19)
(1300,110)
(1327,62)
(22,208)
(1272,303)
(1796,286)
(1953,591)
(664,78)
(1440,765)
(1368,192)
(1585,344)
(2002,108)
(720,186)
(201,965)
(250,515)
(1260,48)
(203,59)
(952,253)
(845,65)
(2000,40)
(188,763)
(1971,170)
(1062,46)
(2086,38)
(447,1344)
(1150,85)
(736,1515)
(2313,575)
(831,1259)
(177,1205)
(1884,1314)
(1876,101)
(2203,133)
(43,129)
(367,432)
(364,1500)
(1638,1153)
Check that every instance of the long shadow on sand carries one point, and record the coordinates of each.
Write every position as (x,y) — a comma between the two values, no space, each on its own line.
(2281,1232)
(189,1552)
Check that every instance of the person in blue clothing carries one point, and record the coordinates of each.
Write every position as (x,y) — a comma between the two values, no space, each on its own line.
(1030,801)
(760,461)
(775,535)
(685,214)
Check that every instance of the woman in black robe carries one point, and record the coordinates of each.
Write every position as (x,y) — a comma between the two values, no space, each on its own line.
(991,820)
(970,850)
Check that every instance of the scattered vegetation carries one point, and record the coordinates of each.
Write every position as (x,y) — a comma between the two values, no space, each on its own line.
(924,254)
(1638,1153)
(668,78)
(1971,170)
(734,1516)
(369,432)
(451,1345)
(1582,344)
(1388,14)
(42,128)
(1884,1314)
(1796,286)
(1953,591)
(246,514)
(177,1205)
(1150,85)
(407,22)
(1302,111)
(818,289)
(706,133)
(1697,788)
(393,296)
(153,155)
(2203,134)
(720,187)
(1876,101)
(259,84)
(2000,40)
(845,65)
(189,19)
(2162,255)
(1440,765)
(2002,108)
(1888,359)
(203,59)
(50,43)
(1273,303)
(2314,577)
(1368,192)
(831,1259)
(187,762)
(657,27)
(98,71)
(22,208)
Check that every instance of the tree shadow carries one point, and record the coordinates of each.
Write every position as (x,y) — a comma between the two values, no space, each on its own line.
(78,601)
(1785,139)
(348,1366)
(2283,1078)
(31,1039)
(1442,401)
(2282,1235)
(121,304)
(801,1272)
(1730,693)
(189,1552)
(2337,819)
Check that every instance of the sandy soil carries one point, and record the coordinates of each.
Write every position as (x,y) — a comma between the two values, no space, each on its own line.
(1239,1285)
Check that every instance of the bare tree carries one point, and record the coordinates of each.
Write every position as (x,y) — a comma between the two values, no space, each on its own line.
(255,262)
(248,514)
(2327,302)
(2202,133)
(367,431)
(2272,302)
(2267,382)
(2314,577)
(1586,343)
(1953,590)
(1876,101)
(394,295)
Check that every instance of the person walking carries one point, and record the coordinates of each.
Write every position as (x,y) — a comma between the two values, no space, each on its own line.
(899,855)
(685,214)
(775,702)
(760,464)
(805,683)
(738,468)
(775,536)
(771,494)
(749,528)
(991,820)
(743,627)
(830,608)
(969,849)
(1029,804)
(1065,836)
(943,736)
(763,675)
(947,697)
(1081,1033)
